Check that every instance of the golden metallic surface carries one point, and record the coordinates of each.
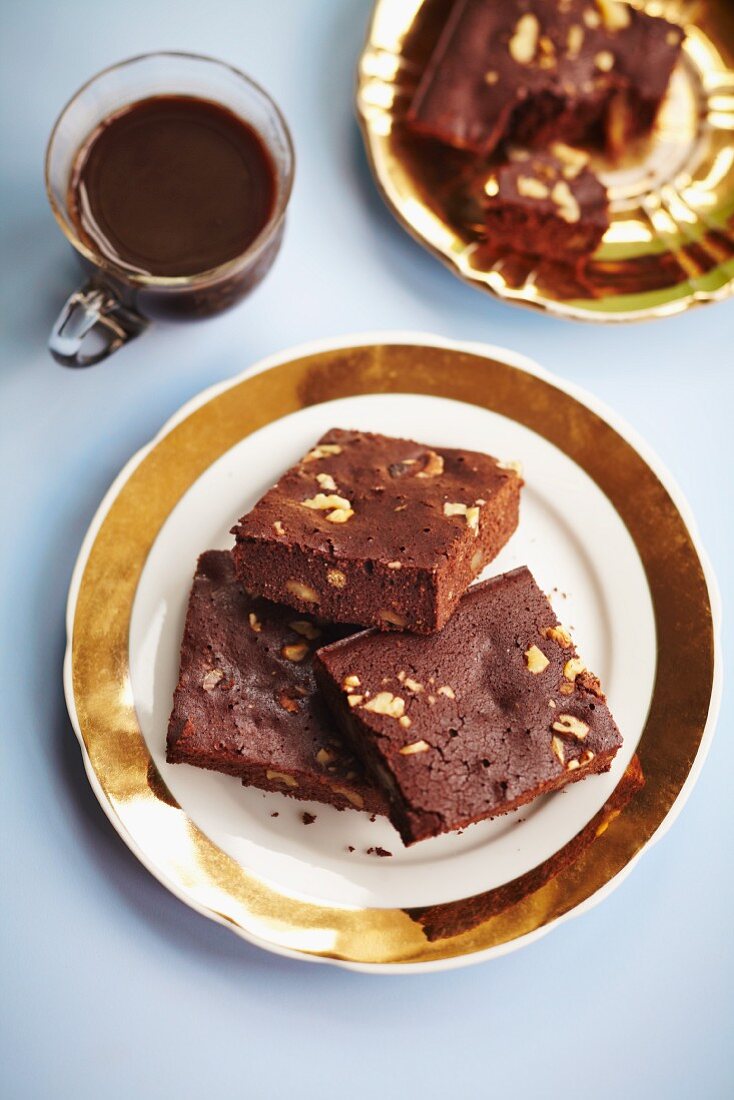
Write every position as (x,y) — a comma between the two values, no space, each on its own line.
(136,797)
(670,244)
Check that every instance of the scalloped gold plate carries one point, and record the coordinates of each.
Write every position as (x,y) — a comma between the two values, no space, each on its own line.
(670,244)
(100,687)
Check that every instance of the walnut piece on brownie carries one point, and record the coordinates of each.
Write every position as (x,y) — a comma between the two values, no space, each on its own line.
(246,701)
(378,531)
(470,723)
(548,204)
(537,71)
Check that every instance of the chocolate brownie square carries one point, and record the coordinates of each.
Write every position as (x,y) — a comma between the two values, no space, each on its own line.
(544,70)
(246,701)
(378,531)
(546,204)
(476,720)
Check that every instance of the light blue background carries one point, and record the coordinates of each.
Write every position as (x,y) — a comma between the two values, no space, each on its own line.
(111,987)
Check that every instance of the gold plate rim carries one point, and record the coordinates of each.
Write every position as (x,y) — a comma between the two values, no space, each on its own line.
(103,586)
(379,165)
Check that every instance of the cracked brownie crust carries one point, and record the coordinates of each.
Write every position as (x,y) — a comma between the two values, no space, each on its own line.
(378,531)
(246,700)
(476,720)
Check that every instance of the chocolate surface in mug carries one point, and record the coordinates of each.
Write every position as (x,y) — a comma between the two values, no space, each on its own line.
(172,186)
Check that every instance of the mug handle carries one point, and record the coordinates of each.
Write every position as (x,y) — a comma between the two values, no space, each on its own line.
(94,306)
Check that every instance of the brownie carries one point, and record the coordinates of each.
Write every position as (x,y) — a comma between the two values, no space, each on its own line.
(378,531)
(246,701)
(546,204)
(476,720)
(455,917)
(545,70)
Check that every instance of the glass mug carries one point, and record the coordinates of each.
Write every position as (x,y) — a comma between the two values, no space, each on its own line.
(115,304)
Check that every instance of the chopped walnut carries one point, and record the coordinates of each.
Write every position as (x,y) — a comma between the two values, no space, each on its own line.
(386,703)
(471,514)
(306,629)
(414,747)
(302,591)
(323,450)
(530,188)
(322,502)
(559,635)
(615,16)
(405,722)
(547,59)
(566,201)
(351,796)
(604,61)
(412,685)
(558,749)
(573,668)
(433,466)
(254,622)
(354,700)
(570,725)
(295,652)
(340,515)
(491,76)
(592,18)
(447,691)
(278,528)
(536,660)
(288,703)
(325,756)
(281,777)
(326,481)
(573,160)
(350,682)
(395,565)
(575,40)
(524,42)
(336,578)
(511,464)
(212,678)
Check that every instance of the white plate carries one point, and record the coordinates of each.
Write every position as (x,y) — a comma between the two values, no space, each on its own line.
(579,551)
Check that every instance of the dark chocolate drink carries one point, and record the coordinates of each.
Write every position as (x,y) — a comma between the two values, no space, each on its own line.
(172,186)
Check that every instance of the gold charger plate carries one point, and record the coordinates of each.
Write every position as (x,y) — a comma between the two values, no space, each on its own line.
(97,669)
(670,244)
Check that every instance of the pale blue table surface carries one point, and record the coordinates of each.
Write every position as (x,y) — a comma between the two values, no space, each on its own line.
(110,986)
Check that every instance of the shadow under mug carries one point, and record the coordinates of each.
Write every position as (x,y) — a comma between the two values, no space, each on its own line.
(115,304)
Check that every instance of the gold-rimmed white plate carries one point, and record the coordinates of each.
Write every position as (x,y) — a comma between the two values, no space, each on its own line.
(601,524)
(670,244)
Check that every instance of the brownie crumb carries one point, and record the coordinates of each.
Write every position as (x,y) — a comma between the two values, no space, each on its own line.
(373,817)
(274,814)
(378,851)
(307,818)
(350,847)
